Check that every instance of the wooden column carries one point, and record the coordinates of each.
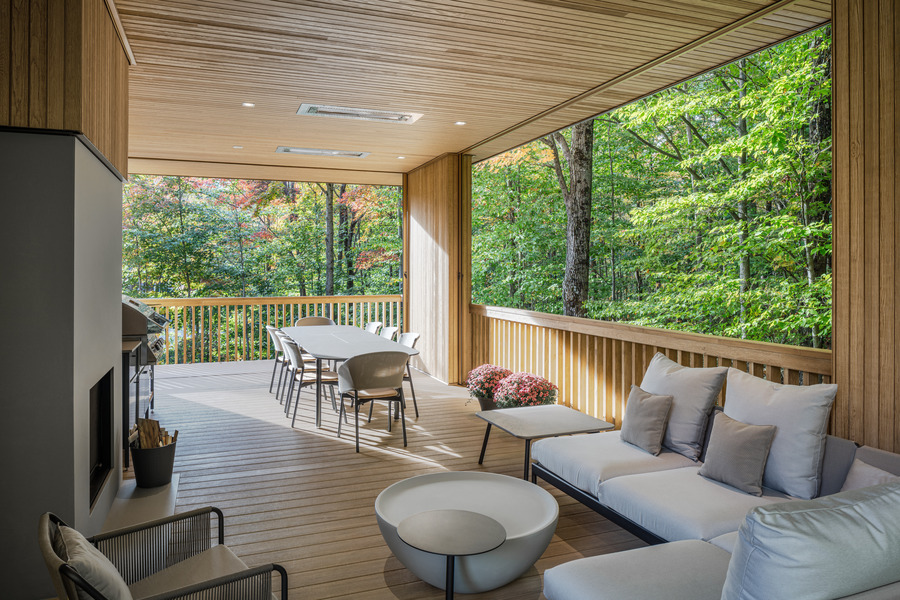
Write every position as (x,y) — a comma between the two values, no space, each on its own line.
(866,221)
(437,267)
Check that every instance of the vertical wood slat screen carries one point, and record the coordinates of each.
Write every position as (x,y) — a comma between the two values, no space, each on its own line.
(203,330)
(594,363)
(866,186)
(63,67)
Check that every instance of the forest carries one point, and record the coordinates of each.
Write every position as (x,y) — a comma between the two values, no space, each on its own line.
(189,237)
(705,207)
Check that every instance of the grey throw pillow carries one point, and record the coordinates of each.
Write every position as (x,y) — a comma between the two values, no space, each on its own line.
(646,416)
(93,566)
(801,415)
(831,547)
(737,453)
(693,392)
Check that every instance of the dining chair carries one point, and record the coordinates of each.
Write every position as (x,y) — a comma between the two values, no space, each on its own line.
(389,332)
(370,377)
(279,357)
(306,321)
(303,375)
(373,326)
(409,340)
(286,365)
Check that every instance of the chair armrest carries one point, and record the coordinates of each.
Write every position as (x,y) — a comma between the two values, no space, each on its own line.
(142,550)
(252,584)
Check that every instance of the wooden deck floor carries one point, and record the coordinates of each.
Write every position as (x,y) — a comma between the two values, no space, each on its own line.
(303,498)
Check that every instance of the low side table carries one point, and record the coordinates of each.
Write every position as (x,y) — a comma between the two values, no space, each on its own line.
(451,533)
(533,422)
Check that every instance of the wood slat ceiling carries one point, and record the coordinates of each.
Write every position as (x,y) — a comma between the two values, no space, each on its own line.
(511,69)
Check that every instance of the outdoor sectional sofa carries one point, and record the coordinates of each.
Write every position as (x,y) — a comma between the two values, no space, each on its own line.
(763,464)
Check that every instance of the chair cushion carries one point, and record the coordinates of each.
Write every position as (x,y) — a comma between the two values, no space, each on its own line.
(865,475)
(378,393)
(688,570)
(681,505)
(215,562)
(587,460)
(737,453)
(93,566)
(694,392)
(645,419)
(801,415)
(819,549)
(725,541)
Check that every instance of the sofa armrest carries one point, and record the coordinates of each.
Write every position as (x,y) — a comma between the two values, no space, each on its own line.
(142,550)
(839,454)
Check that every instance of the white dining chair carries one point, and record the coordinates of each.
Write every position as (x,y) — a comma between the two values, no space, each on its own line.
(388,333)
(303,375)
(409,340)
(376,376)
(373,326)
(307,321)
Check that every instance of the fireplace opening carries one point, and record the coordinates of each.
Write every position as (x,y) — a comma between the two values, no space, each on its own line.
(101,424)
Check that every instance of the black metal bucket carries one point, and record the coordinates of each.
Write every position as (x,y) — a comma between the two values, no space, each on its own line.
(153,466)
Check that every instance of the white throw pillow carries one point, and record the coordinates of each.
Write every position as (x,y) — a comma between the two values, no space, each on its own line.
(93,566)
(820,549)
(693,392)
(863,475)
(800,414)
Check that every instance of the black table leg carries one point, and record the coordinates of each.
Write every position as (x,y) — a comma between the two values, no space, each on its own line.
(449,586)
(487,434)
(527,457)
(318,392)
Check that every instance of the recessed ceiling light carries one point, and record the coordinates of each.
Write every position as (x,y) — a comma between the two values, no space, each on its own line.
(248,104)
(460,123)
(238,147)
(320,152)
(401,157)
(360,114)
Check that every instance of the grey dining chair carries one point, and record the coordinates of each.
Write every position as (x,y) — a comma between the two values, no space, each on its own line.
(306,321)
(389,332)
(376,376)
(303,374)
(279,357)
(373,326)
(409,340)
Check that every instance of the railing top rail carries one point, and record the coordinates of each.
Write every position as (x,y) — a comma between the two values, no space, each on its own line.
(811,360)
(254,300)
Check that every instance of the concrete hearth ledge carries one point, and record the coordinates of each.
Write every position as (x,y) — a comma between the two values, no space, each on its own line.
(135,505)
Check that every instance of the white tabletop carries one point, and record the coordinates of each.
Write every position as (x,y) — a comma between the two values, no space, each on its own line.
(340,342)
(549,420)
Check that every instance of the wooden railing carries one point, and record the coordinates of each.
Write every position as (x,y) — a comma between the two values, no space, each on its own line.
(227,329)
(594,363)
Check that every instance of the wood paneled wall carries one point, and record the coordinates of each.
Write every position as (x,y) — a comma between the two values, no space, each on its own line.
(594,363)
(866,300)
(436,244)
(65,68)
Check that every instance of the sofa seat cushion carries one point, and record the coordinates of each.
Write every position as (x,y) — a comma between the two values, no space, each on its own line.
(688,570)
(215,562)
(680,504)
(586,460)
(726,541)
(819,549)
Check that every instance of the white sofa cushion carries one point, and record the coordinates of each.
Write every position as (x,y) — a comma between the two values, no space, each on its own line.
(688,570)
(218,561)
(863,475)
(800,414)
(821,549)
(693,392)
(586,460)
(725,541)
(93,566)
(680,504)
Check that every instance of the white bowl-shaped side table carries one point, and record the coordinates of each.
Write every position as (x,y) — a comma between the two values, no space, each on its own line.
(527,512)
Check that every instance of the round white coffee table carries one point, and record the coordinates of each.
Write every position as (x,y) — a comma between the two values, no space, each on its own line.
(526,512)
(451,533)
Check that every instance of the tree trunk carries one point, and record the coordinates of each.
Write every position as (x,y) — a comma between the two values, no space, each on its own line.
(329,239)
(577,195)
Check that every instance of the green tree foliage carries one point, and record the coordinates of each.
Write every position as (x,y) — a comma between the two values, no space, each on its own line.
(215,237)
(711,207)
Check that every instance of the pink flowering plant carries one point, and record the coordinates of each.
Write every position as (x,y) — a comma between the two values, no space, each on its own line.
(483,380)
(524,389)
